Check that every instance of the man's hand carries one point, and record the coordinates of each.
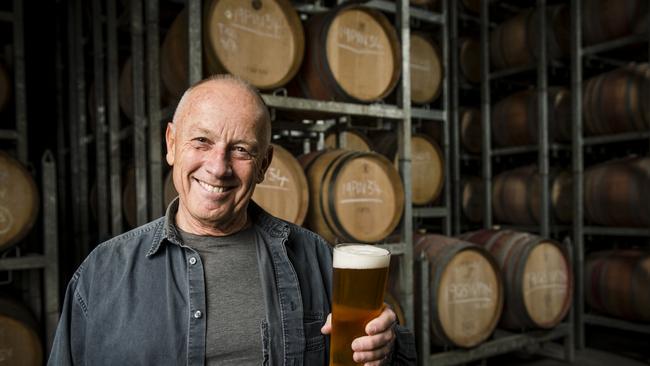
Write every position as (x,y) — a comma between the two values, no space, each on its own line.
(374,348)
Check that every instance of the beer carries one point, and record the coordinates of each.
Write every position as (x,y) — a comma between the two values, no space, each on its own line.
(360,274)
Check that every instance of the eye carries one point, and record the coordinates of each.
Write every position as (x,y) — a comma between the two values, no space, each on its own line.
(241,152)
(202,140)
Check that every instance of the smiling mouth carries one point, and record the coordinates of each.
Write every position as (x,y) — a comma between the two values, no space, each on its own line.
(212,189)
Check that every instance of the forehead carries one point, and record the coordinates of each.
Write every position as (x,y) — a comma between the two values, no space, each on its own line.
(221,107)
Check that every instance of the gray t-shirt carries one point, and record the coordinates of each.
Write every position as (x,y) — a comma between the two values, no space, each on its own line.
(235,303)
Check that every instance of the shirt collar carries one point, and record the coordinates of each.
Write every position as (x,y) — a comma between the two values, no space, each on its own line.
(272,225)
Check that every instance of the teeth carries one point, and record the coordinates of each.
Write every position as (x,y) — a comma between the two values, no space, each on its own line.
(211,188)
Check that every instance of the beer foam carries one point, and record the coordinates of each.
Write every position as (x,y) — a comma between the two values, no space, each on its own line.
(360,257)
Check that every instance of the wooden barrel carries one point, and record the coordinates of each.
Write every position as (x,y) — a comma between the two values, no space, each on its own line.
(604,20)
(352,54)
(515,118)
(426,69)
(613,101)
(469,58)
(617,283)
(427,164)
(19,340)
(516,196)
(173,57)
(5,87)
(349,139)
(466,290)
(355,196)
(617,194)
(473,196)
(394,304)
(514,42)
(471,132)
(125,95)
(19,201)
(537,277)
(261,41)
(284,192)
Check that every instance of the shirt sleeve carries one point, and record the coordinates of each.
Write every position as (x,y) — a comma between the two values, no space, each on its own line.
(67,348)
(404,352)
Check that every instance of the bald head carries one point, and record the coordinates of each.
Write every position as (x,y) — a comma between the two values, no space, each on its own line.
(223,88)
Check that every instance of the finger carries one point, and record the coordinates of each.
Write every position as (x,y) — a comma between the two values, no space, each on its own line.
(327,327)
(374,356)
(381,323)
(373,342)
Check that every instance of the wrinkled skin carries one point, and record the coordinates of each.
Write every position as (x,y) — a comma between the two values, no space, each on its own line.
(219,146)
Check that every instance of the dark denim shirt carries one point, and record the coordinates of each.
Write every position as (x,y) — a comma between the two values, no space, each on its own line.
(139,299)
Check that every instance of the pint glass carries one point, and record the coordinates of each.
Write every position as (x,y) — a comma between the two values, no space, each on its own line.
(360,274)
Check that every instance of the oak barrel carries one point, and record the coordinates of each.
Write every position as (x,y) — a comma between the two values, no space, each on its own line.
(466,290)
(355,196)
(537,277)
(426,69)
(5,87)
(516,196)
(515,118)
(349,139)
(352,54)
(19,340)
(469,58)
(617,193)
(617,283)
(604,20)
(616,101)
(471,132)
(514,42)
(260,41)
(473,196)
(19,201)
(284,192)
(427,164)
(394,304)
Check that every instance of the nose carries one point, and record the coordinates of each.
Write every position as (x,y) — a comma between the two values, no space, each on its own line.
(217,163)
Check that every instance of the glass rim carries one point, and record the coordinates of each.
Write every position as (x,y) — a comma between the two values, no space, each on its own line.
(386,252)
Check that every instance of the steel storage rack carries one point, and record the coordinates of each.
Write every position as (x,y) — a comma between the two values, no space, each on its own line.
(580,54)
(538,341)
(43,290)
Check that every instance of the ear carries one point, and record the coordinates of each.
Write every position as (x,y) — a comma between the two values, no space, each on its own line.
(170,139)
(266,162)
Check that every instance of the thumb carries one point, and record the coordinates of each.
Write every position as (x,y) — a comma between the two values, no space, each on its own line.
(327,327)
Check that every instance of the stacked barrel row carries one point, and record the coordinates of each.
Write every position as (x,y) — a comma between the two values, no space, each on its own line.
(347,192)
(490,278)
(615,194)
(348,54)
(19,206)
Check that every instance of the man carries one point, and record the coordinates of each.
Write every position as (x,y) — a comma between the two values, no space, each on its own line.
(217,280)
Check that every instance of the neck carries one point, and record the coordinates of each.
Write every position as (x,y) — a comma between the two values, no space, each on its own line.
(193,225)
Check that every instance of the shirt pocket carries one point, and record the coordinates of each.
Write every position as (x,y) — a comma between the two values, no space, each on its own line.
(315,345)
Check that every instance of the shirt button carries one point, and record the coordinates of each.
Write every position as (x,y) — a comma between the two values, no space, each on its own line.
(198,314)
(193,260)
